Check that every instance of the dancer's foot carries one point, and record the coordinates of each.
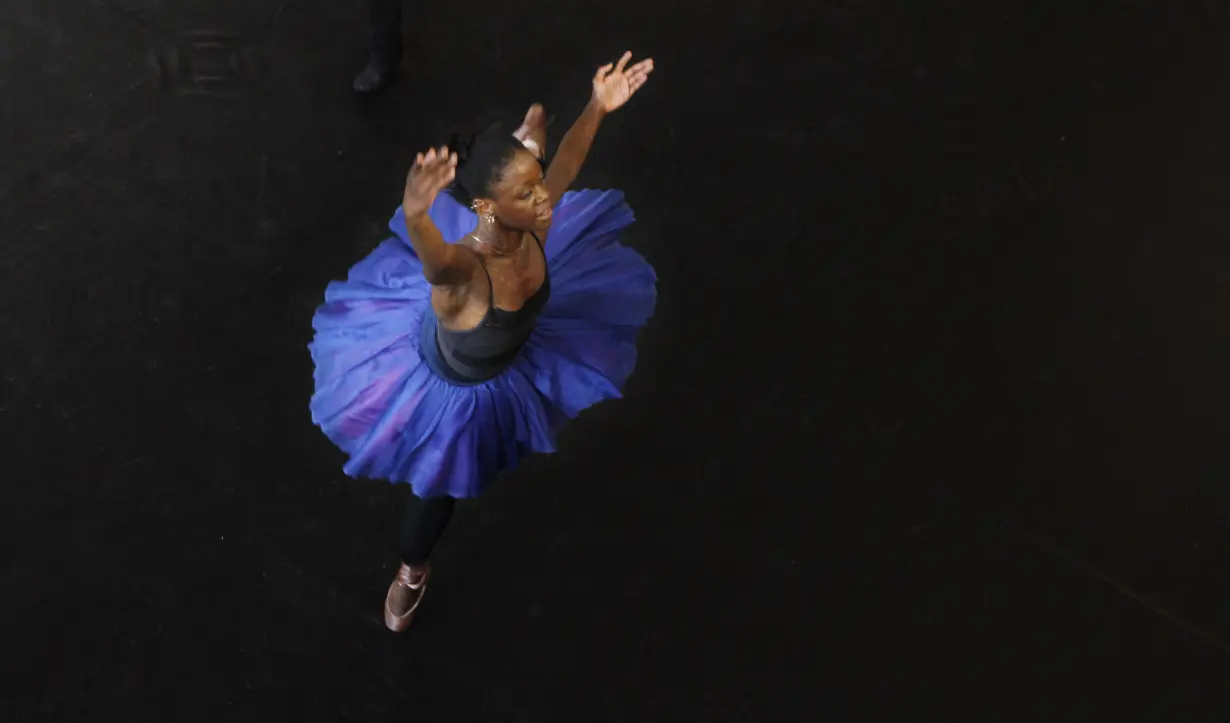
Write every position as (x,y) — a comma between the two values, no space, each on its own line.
(533,130)
(404,596)
(375,77)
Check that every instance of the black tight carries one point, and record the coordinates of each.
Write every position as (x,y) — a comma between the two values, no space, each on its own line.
(422,525)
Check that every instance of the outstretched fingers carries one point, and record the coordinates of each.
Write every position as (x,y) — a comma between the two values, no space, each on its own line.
(436,168)
(645,67)
(634,74)
(446,168)
(623,61)
(638,75)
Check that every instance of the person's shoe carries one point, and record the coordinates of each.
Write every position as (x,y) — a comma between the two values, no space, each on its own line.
(375,77)
(405,594)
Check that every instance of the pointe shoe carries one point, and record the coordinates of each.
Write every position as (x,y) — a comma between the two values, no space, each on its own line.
(398,623)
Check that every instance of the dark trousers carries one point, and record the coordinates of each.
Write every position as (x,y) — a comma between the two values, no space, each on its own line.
(422,525)
(385,28)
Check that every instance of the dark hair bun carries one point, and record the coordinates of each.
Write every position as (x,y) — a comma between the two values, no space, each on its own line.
(481,158)
(462,144)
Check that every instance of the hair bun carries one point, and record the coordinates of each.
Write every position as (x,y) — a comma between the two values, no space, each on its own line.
(461,144)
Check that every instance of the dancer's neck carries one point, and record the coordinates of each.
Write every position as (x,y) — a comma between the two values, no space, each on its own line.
(500,240)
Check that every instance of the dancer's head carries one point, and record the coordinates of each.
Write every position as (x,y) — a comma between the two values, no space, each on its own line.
(499,178)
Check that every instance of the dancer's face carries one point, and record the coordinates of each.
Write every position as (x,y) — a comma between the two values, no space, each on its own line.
(521,199)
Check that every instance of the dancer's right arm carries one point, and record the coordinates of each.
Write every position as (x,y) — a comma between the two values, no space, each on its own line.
(444,264)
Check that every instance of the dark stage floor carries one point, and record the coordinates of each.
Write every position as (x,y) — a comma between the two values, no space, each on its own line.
(929,424)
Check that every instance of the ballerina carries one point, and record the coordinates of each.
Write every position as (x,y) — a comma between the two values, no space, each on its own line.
(502,307)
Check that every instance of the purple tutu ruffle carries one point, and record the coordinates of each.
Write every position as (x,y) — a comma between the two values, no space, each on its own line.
(397,420)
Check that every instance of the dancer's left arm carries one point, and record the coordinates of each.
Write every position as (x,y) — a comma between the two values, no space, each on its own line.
(613,85)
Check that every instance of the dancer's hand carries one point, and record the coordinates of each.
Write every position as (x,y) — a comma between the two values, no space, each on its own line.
(533,131)
(615,83)
(431,173)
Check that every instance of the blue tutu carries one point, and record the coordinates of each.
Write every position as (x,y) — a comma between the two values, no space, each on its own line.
(379,400)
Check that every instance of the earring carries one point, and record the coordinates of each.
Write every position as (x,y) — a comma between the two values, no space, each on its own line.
(488,217)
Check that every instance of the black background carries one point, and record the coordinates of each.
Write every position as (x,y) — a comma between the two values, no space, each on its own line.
(929,423)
